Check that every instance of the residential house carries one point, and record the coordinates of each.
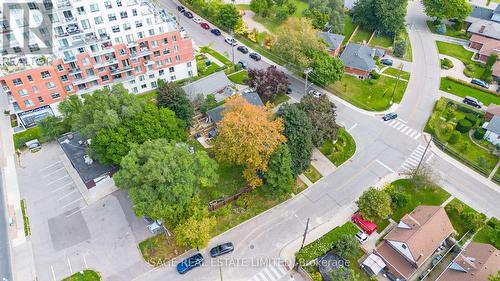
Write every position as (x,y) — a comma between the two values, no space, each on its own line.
(476,262)
(216,84)
(491,111)
(485,46)
(493,130)
(215,115)
(414,240)
(359,60)
(333,42)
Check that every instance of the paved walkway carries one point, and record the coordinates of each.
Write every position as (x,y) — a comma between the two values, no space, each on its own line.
(251,23)
(452,40)
(494,171)
(457,71)
(322,163)
(305,180)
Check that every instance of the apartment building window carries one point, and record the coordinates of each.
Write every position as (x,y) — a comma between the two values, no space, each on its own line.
(126,26)
(32,6)
(137,69)
(111,17)
(29,103)
(171,69)
(140,35)
(68,88)
(150,67)
(151,76)
(156,54)
(123,14)
(60,67)
(30,78)
(166,51)
(151,32)
(190,73)
(45,74)
(85,24)
(161,30)
(154,43)
(101,69)
(176,48)
(118,40)
(115,29)
(35,89)
(94,7)
(189,64)
(81,50)
(177,58)
(168,61)
(161,72)
(130,38)
(144,86)
(64,78)
(40,99)
(50,85)
(172,78)
(85,61)
(134,90)
(23,92)
(80,10)
(159,63)
(98,20)
(138,23)
(141,78)
(90,72)
(119,3)
(154,85)
(134,12)
(122,52)
(174,38)
(107,5)
(55,95)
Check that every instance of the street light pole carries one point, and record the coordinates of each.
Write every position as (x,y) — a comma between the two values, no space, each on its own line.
(396,84)
(232,44)
(306,72)
(305,234)
(423,156)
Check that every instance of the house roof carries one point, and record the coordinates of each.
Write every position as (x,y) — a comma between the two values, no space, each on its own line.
(475,263)
(426,228)
(494,125)
(374,263)
(334,41)
(216,113)
(496,69)
(207,85)
(360,56)
(486,28)
(493,109)
(489,45)
(398,265)
(478,13)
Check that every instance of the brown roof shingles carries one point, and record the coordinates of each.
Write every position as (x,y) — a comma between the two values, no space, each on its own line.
(394,261)
(490,45)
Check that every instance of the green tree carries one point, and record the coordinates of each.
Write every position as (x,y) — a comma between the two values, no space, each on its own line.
(172,96)
(322,113)
(386,16)
(492,60)
(194,231)
(326,69)
(346,246)
(279,173)
(327,11)
(400,48)
(345,274)
(228,17)
(162,177)
(473,220)
(298,131)
(495,277)
(51,127)
(260,7)
(447,9)
(374,204)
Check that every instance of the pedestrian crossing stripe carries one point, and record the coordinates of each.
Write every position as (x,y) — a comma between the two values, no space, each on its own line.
(403,128)
(271,273)
(412,161)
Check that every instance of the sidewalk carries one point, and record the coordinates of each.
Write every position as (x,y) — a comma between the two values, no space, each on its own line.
(322,163)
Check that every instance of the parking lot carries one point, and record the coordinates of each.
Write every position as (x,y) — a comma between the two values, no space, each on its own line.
(67,235)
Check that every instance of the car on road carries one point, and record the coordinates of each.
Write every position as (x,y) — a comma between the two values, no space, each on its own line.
(390,116)
(472,102)
(205,25)
(197,20)
(181,9)
(221,249)
(188,14)
(216,32)
(189,263)
(367,226)
(243,64)
(387,62)
(288,91)
(231,41)
(314,93)
(480,83)
(361,236)
(255,56)
(242,49)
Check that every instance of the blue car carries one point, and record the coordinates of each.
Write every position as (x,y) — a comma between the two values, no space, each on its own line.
(390,116)
(189,263)
(216,32)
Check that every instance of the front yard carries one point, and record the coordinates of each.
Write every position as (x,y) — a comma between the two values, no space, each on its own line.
(461,89)
(450,31)
(312,174)
(489,233)
(382,41)
(473,68)
(239,77)
(455,210)
(395,72)
(342,150)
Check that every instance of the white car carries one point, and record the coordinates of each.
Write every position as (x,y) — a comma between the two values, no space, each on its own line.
(231,41)
(361,236)
(197,20)
(314,93)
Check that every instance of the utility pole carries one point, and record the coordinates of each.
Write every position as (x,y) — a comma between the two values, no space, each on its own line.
(305,234)
(232,44)
(423,156)
(306,72)
(396,84)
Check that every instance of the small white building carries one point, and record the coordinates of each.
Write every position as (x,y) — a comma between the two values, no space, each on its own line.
(493,130)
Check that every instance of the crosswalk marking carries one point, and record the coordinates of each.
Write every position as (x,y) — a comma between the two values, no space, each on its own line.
(403,128)
(412,161)
(272,273)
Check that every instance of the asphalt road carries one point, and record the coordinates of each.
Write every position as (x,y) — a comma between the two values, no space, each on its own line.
(5,270)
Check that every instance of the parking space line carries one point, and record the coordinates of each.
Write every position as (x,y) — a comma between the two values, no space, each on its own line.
(70,269)
(56,180)
(53,274)
(68,194)
(72,202)
(61,187)
(50,166)
(51,173)
(384,165)
(353,126)
(77,211)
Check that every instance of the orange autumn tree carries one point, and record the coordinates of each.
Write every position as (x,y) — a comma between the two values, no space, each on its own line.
(248,135)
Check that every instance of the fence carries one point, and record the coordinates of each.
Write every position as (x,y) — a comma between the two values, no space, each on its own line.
(218,203)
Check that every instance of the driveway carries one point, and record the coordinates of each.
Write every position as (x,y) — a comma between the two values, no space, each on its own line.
(67,234)
(457,71)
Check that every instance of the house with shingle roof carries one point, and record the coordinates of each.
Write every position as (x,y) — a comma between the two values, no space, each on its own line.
(414,240)
(333,42)
(359,60)
(476,262)
(492,130)
(215,115)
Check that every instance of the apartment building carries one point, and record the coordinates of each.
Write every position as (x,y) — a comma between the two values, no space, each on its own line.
(96,44)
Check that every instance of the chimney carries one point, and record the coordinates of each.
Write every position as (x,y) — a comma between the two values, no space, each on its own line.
(482,28)
(373,52)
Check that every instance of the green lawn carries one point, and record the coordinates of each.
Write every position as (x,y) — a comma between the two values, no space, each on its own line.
(459,52)
(272,23)
(458,223)
(381,40)
(342,150)
(239,77)
(149,96)
(362,35)
(312,174)
(461,90)
(27,230)
(349,28)
(363,94)
(280,98)
(409,54)
(88,275)
(157,250)
(416,197)
(488,234)
(450,31)
(395,72)
(216,55)
(21,138)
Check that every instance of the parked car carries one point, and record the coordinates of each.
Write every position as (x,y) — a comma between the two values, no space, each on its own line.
(243,64)
(255,56)
(231,41)
(205,25)
(242,49)
(197,20)
(189,263)
(387,62)
(390,116)
(188,14)
(314,93)
(480,83)
(472,101)
(215,32)
(368,226)
(288,91)
(221,249)
(181,9)
(361,236)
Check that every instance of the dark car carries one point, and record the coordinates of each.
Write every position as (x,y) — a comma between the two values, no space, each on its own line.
(216,32)
(390,116)
(255,56)
(188,14)
(289,91)
(388,62)
(221,249)
(480,83)
(243,64)
(181,9)
(472,102)
(242,49)
(189,263)
(205,25)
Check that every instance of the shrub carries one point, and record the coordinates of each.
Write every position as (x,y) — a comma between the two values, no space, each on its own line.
(470,67)
(441,29)
(455,137)
(472,118)
(400,48)
(375,75)
(372,82)
(459,25)
(463,126)
(446,63)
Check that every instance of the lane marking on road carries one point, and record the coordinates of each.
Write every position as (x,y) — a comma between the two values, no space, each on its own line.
(275,272)
(405,129)
(417,136)
(67,194)
(50,166)
(413,134)
(409,131)
(70,268)
(51,173)
(384,165)
(352,127)
(430,158)
(402,120)
(53,273)
(73,202)
(61,187)
(392,122)
(56,180)
(85,262)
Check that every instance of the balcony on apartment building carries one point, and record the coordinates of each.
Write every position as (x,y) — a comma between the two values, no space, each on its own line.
(84,80)
(144,51)
(117,70)
(110,61)
(74,70)
(63,4)
(68,59)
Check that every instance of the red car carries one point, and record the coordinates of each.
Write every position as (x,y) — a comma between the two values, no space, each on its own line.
(368,226)
(205,25)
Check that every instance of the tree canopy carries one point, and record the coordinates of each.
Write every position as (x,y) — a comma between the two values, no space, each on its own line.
(172,96)
(386,16)
(279,175)
(346,246)
(298,131)
(374,204)
(194,231)
(162,177)
(326,11)
(322,113)
(268,82)
(447,9)
(248,135)
(326,69)
(228,17)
